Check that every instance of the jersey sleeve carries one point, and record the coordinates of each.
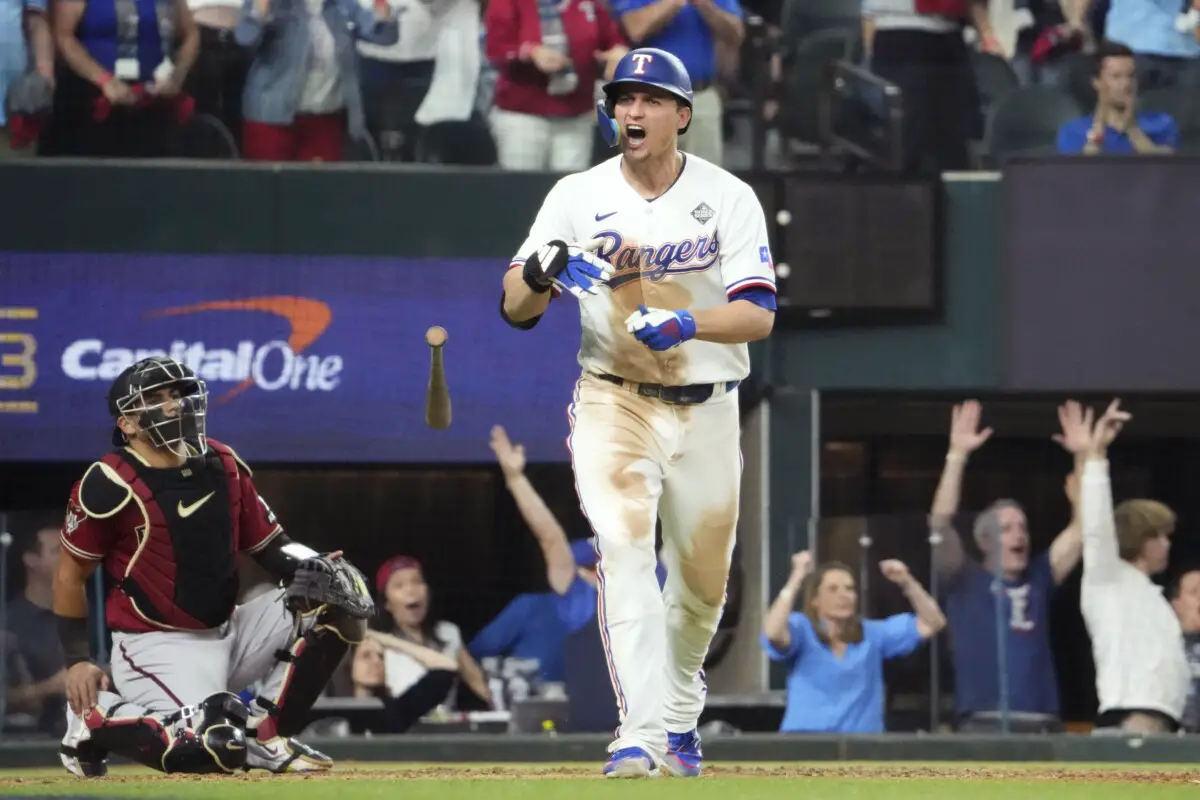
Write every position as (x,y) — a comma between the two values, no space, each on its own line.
(746,261)
(83,536)
(258,524)
(552,222)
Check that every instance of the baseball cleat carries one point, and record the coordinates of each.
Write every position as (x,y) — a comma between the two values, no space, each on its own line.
(79,755)
(281,755)
(631,762)
(684,759)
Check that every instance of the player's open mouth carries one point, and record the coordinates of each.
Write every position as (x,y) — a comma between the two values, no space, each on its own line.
(636,134)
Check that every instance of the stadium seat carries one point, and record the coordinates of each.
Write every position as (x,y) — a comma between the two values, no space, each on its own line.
(802,18)
(994,77)
(364,149)
(805,75)
(1026,121)
(206,137)
(1077,79)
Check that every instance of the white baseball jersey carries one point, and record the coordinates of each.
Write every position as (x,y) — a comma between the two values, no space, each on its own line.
(699,242)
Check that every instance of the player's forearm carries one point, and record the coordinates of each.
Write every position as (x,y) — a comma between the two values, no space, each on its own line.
(651,19)
(522,303)
(734,323)
(281,556)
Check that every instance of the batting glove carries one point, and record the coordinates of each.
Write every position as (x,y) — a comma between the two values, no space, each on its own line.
(659,329)
(568,268)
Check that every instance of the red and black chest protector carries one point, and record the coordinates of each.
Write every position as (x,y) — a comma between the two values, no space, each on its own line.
(183,573)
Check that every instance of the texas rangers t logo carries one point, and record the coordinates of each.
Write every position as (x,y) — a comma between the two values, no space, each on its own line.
(640,60)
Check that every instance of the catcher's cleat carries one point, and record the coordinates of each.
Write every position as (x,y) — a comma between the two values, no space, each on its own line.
(281,755)
(78,753)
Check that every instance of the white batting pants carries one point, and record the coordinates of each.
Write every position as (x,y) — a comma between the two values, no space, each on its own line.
(637,459)
(529,142)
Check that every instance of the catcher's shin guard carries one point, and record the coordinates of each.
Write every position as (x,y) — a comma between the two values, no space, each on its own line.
(209,737)
(306,667)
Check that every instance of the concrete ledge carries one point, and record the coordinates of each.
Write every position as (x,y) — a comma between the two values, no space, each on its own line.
(492,748)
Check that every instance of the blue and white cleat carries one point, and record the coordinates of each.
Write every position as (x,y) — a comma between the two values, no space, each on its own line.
(631,762)
(684,759)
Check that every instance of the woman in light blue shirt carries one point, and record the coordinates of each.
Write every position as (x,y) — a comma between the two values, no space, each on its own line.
(835,658)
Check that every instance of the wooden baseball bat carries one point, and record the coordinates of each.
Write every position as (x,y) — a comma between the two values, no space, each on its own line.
(437,397)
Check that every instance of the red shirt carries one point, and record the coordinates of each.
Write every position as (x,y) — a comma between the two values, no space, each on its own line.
(514,29)
(175,569)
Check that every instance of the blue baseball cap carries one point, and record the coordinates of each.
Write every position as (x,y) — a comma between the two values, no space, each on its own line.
(584,551)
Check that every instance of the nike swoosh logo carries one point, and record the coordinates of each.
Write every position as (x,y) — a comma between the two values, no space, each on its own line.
(601,217)
(187,511)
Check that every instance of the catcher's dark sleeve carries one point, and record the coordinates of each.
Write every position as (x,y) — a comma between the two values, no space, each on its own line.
(281,556)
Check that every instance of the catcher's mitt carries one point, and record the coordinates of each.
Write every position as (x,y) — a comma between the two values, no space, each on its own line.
(320,581)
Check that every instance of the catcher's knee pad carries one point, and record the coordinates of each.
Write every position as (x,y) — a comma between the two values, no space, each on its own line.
(212,737)
(205,738)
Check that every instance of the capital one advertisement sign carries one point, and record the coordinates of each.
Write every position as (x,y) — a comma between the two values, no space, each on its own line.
(306,359)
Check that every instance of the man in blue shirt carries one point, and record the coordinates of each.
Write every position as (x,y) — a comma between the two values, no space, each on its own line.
(1002,535)
(690,30)
(1117,127)
(24,29)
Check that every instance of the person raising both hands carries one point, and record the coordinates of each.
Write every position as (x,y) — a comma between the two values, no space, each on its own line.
(1001,532)
(834,656)
(1142,674)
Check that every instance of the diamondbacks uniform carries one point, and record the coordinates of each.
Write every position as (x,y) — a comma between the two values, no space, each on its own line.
(168,541)
(655,434)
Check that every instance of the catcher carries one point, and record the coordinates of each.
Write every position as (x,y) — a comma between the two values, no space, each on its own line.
(166,514)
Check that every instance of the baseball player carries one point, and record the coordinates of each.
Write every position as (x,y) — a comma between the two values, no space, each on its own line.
(668,257)
(166,514)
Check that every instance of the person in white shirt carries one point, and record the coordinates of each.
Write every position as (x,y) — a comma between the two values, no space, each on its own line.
(1142,673)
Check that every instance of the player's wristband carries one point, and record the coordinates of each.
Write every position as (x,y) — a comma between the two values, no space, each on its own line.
(73,633)
(531,273)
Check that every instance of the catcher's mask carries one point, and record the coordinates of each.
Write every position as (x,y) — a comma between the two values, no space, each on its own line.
(175,424)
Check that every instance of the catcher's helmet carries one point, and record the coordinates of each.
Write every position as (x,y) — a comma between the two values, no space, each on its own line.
(646,66)
(131,395)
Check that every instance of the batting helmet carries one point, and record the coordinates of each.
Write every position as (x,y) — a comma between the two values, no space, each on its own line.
(646,66)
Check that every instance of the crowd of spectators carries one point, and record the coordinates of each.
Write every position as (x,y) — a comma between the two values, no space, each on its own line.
(991,603)
(514,82)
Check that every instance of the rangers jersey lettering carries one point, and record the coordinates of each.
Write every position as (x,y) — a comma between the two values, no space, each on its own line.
(700,242)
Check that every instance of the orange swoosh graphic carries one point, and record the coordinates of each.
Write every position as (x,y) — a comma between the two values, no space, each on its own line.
(307,318)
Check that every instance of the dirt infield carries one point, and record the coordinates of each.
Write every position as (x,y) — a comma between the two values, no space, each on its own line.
(882,772)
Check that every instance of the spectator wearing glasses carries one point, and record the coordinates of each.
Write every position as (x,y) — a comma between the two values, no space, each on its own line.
(691,30)
(24,37)
(1142,672)
(1116,127)
(1002,534)
(302,90)
(126,61)
(549,55)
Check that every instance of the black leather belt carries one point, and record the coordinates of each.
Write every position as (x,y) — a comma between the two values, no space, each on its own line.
(690,395)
